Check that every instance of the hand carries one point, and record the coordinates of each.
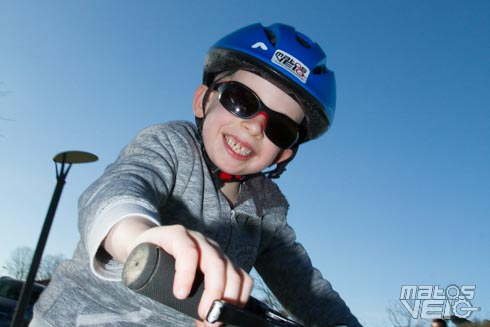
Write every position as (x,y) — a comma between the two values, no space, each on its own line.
(191,250)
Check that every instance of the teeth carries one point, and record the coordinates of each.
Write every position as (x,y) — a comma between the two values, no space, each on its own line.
(237,147)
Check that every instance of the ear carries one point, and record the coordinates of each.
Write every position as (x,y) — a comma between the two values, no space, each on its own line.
(284,155)
(197,102)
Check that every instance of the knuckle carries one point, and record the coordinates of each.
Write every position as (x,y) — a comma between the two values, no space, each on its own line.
(196,235)
(213,243)
(236,274)
(178,229)
(233,280)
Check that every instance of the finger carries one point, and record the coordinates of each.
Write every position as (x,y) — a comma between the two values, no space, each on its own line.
(246,290)
(176,241)
(234,284)
(213,265)
(239,286)
(186,263)
(214,285)
(186,253)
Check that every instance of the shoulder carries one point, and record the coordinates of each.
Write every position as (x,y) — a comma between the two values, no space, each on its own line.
(173,141)
(173,129)
(267,196)
(174,134)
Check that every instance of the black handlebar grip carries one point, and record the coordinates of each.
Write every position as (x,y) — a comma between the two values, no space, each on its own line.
(150,271)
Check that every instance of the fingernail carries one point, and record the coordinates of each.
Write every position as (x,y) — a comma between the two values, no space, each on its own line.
(181,293)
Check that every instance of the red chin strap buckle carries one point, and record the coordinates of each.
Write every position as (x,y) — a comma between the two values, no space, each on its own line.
(229,178)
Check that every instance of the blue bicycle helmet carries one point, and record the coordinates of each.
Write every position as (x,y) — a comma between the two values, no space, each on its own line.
(286,58)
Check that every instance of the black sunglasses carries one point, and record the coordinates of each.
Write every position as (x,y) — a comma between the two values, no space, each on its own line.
(242,102)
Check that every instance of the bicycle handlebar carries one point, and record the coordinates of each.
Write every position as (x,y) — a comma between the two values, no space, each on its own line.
(149,271)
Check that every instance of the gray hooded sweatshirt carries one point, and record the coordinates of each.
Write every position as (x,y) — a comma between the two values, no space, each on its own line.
(162,176)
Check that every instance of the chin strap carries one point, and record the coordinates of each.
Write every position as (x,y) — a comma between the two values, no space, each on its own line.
(281,167)
(220,177)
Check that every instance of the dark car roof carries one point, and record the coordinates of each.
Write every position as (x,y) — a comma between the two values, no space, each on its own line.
(10,288)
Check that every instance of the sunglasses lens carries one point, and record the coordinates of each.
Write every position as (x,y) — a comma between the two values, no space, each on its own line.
(239,101)
(281,130)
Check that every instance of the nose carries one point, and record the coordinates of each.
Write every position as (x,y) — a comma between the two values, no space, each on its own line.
(255,126)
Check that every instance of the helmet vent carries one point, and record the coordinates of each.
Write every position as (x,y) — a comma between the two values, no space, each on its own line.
(303,40)
(271,36)
(319,70)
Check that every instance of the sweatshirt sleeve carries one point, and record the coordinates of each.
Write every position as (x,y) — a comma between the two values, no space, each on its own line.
(287,270)
(136,184)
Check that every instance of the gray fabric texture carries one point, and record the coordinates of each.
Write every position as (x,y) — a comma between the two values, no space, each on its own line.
(161,175)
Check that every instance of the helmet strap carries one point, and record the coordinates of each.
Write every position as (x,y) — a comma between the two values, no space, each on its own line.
(219,177)
(281,166)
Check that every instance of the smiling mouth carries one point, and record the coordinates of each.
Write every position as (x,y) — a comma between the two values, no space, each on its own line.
(237,147)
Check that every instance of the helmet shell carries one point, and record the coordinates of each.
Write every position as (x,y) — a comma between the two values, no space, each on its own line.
(287,59)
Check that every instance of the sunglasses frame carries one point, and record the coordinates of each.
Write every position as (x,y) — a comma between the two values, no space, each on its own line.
(273,118)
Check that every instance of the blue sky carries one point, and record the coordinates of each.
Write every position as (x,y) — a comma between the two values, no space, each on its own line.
(396,193)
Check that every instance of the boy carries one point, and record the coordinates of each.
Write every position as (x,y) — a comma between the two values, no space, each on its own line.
(200,194)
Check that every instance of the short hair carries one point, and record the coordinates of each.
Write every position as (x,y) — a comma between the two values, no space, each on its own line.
(440,322)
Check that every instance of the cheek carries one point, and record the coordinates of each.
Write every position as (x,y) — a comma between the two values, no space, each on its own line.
(212,125)
(217,117)
(208,134)
(271,152)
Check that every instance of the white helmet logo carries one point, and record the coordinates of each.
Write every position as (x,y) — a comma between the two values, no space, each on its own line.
(259,45)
